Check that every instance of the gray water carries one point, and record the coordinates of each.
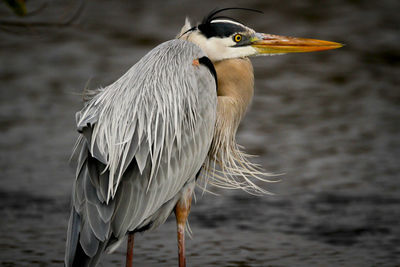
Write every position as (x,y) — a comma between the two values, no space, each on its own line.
(329,121)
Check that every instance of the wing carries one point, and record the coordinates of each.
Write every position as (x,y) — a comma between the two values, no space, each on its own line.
(142,139)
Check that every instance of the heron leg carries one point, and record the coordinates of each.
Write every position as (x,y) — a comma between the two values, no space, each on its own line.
(129,250)
(182,210)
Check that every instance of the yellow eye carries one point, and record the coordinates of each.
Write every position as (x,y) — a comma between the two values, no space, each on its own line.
(237,38)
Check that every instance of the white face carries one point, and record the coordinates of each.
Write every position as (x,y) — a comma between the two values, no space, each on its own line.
(224,47)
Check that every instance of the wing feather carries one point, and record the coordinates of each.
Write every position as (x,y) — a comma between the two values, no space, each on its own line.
(143,139)
(141,156)
(88,240)
(97,225)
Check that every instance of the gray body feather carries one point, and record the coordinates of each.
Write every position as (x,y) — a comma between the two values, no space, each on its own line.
(143,140)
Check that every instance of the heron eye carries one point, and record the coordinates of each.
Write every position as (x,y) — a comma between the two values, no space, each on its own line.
(237,38)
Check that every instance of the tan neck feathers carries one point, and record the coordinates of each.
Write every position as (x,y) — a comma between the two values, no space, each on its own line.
(235,91)
(236,82)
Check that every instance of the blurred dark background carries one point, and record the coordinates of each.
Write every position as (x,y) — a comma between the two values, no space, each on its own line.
(329,121)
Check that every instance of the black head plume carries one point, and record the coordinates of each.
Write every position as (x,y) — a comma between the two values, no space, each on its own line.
(212,15)
(221,29)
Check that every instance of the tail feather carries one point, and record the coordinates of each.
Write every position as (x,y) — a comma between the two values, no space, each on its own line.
(80,257)
(75,255)
(74,226)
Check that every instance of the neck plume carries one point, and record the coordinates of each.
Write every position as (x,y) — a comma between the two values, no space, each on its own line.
(235,92)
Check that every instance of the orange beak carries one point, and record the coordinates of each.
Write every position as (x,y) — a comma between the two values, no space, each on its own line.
(275,44)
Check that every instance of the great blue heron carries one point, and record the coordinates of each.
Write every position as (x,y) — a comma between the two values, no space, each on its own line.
(145,138)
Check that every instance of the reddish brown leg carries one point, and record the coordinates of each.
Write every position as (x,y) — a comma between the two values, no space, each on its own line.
(129,250)
(182,209)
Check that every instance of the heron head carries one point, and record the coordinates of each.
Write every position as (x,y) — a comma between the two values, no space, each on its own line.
(222,38)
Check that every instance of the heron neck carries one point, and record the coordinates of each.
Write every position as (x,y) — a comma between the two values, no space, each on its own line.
(235,85)
(235,91)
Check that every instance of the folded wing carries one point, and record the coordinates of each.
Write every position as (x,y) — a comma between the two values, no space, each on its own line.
(142,139)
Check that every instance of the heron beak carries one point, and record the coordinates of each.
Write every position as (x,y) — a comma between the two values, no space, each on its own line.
(275,44)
